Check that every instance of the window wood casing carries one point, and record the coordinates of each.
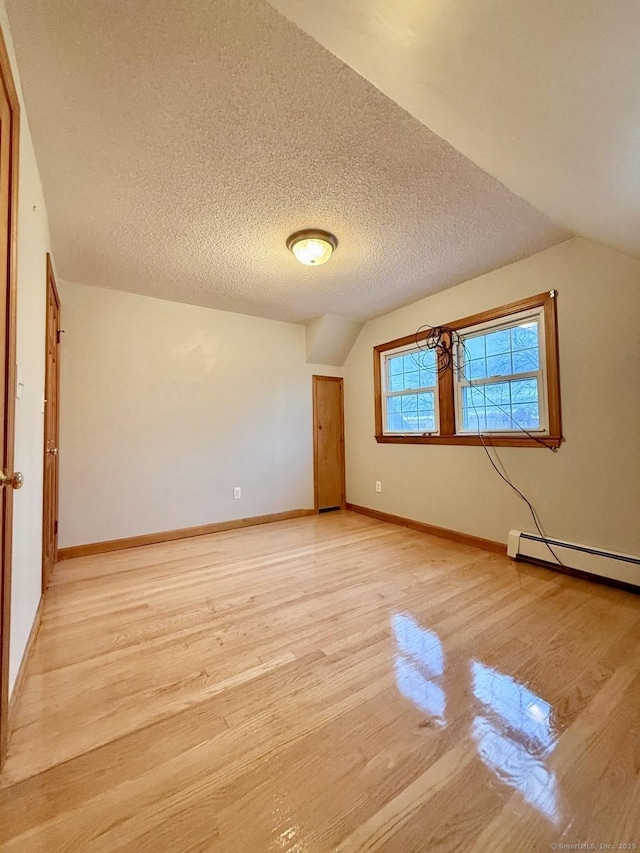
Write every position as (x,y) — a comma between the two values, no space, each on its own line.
(446,383)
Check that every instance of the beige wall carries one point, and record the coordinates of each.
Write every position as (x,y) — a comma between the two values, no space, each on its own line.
(33,244)
(589,492)
(166,407)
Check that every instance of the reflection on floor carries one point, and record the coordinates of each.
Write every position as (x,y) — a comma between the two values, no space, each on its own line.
(514,737)
(419,666)
(512,728)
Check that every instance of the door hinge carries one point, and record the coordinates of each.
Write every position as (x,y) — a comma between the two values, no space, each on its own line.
(59,334)
(55,527)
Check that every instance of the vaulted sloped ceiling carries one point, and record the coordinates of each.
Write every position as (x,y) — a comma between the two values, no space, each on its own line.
(180,143)
(543,94)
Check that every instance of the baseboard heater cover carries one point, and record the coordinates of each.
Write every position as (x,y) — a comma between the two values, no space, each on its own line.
(610,565)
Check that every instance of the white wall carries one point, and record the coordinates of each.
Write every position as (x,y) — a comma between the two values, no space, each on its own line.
(33,244)
(589,491)
(329,339)
(166,407)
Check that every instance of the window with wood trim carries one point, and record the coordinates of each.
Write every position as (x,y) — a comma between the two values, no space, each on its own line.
(497,382)
(410,391)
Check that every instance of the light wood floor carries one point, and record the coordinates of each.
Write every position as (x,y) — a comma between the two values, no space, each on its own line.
(329,683)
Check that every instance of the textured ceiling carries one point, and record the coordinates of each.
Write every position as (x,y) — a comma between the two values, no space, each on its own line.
(543,94)
(180,144)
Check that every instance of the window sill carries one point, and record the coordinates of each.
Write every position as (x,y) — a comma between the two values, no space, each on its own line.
(473,440)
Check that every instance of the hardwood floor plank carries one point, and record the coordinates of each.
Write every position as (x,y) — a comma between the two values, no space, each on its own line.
(319,684)
(376,832)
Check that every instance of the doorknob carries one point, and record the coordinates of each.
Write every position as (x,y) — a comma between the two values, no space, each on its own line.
(53,451)
(15,481)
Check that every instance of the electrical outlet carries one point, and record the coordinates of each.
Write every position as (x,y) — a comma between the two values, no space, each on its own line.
(378,486)
(237,493)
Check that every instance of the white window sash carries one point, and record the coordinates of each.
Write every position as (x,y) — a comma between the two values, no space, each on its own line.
(385,358)
(542,429)
(462,382)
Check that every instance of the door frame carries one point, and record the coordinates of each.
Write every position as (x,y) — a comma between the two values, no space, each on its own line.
(51,285)
(319,378)
(6,79)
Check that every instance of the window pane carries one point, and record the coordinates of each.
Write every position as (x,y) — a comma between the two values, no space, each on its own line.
(395,365)
(411,413)
(498,342)
(404,381)
(501,406)
(427,378)
(409,403)
(474,396)
(474,347)
(527,415)
(508,351)
(524,391)
(425,362)
(415,369)
(498,394)
(474,419)
(426,402)
(411,363)
(476,369)
(394,423)
(412,380)
(524,336)
(499,365)
(525,360)
(426,423)
(427,412)
(499,418)
(396,382)
(473,403)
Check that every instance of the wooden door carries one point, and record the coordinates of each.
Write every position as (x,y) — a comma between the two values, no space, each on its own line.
(328,442)
(9,129)
(51,429)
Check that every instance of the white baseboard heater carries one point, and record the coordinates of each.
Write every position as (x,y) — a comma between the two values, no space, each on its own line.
(609,565)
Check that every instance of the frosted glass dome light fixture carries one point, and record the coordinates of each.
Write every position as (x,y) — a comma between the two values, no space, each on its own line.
(312,247)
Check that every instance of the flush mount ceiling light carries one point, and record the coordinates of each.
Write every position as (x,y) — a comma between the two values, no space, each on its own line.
(312,247)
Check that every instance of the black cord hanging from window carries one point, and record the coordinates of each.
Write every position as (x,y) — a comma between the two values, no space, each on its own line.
(446,342)
(441,339)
